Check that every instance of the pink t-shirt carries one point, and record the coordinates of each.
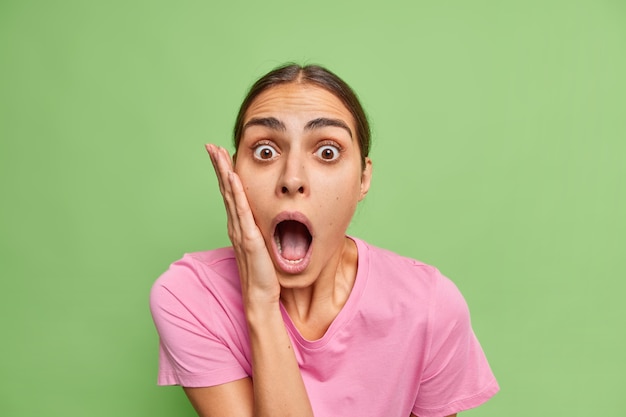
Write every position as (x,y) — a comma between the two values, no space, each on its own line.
(402,343)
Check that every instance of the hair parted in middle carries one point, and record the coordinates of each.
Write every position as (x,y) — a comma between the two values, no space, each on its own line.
(317,76)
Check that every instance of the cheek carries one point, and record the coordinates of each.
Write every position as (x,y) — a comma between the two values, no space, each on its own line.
(255,194)
(339,199)
(255,197)
(261,209)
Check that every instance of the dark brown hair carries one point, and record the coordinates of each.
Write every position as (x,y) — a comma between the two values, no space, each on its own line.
(318,76)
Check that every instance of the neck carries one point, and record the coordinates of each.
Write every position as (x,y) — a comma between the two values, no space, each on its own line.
(313,308)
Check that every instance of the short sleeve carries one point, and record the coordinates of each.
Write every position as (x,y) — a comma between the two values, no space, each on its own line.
(193,350)
(457,375)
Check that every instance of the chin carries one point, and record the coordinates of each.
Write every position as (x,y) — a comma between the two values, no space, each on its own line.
(296,281)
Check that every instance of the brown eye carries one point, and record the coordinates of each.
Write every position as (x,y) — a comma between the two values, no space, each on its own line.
(265,152)
(328,153)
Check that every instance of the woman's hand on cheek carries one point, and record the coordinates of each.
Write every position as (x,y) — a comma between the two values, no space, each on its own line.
(256,270)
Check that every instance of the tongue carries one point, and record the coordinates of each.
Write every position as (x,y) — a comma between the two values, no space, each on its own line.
(294,240)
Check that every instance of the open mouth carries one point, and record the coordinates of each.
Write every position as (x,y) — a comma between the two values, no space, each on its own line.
(293,241)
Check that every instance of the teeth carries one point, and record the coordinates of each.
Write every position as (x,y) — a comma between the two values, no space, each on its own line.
(278,245)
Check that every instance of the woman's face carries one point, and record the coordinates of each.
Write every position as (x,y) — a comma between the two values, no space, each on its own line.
(300,164)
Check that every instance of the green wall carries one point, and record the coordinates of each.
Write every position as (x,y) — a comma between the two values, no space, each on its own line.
(499,156)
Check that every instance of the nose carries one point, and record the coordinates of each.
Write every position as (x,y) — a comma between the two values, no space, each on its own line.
(293,179)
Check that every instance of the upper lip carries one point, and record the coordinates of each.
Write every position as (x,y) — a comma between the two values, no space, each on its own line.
(292,215)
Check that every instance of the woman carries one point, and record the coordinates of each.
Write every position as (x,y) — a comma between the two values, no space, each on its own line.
(297,318)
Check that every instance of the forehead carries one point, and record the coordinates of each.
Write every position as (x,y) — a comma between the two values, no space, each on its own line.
(299,100)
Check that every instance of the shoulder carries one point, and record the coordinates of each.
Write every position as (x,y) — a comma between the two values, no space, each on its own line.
(413,286)
(196,277)
(197,309)
(401,270)
(198,265)
(379,256)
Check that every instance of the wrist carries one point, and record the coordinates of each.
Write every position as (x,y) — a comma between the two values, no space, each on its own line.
(262,311)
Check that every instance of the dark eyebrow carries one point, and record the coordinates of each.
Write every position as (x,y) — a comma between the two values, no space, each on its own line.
(323,122)
(269,122)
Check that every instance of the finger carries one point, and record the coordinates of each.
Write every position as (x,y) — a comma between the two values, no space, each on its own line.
(212,150)
(222,166)
(226,158)
(249,229)
(225,169)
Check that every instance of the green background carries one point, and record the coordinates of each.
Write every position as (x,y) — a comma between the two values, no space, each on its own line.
(499,156)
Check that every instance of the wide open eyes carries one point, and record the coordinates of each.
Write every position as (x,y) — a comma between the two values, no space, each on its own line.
(265,152)
(327,153)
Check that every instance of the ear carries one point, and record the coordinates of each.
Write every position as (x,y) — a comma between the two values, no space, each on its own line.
(366,178)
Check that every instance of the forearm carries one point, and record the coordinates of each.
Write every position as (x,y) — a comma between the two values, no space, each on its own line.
(278,386)
(278,389)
